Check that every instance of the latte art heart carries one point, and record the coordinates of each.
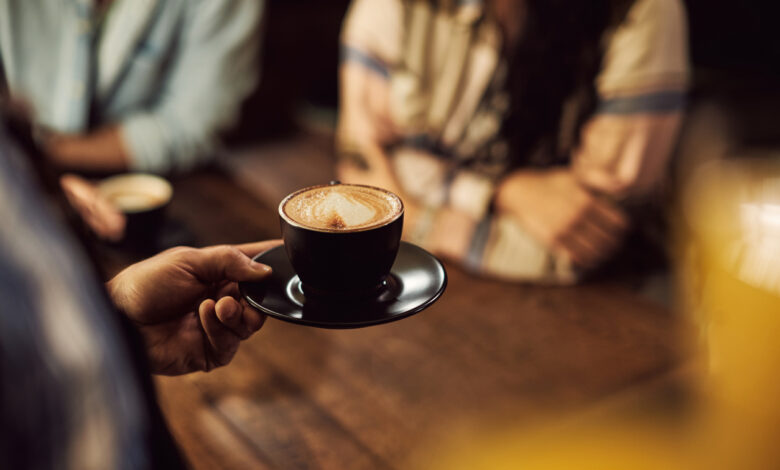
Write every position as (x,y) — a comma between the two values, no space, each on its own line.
(342,207)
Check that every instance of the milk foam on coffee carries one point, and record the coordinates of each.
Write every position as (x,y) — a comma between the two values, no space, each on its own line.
(135,202)
(136,192)
(342,207)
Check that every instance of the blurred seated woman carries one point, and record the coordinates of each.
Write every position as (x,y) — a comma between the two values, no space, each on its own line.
(518,132)
(120,85)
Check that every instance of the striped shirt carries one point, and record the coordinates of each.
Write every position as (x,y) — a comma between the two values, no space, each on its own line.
(426,85)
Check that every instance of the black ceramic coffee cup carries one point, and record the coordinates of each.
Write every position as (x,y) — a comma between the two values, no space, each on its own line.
(142,198)
(342,263)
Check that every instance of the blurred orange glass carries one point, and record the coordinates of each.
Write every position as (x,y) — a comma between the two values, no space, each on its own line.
(731,284)
(728,255)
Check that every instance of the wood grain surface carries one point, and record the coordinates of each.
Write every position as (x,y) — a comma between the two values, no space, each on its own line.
(296,397)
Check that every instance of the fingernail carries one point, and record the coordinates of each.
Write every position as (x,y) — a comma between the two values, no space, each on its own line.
(261,267)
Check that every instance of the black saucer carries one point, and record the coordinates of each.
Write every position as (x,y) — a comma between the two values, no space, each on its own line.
(417,279)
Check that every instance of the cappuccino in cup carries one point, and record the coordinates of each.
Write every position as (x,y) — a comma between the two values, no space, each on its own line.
(342,207)
(342,239)
(136,192)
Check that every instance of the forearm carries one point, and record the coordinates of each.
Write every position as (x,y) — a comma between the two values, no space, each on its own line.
(497,246)
(507,193)
(531,187)
(494,245)
(100,150)
(626,157)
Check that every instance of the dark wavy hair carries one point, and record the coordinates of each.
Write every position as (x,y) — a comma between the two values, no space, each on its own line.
(557,59)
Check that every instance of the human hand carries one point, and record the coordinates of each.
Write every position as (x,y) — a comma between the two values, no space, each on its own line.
(563,215)
(100,214)
(184,301)
(100,150)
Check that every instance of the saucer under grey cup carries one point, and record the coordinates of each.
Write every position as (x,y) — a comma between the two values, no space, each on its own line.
(417,279)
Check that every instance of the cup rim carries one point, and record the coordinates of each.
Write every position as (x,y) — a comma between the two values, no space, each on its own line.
(163,188)
(292,222)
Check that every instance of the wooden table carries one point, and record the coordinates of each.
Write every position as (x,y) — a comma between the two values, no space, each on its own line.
(304,398)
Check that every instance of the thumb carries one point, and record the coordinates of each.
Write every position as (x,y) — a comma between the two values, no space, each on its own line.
(228,263)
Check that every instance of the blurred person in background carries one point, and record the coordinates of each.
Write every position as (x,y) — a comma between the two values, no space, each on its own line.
(518,132)
(118,85)
(75,356)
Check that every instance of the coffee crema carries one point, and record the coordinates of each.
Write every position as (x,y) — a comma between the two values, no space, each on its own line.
(128,201)
(342,207)
(136,192)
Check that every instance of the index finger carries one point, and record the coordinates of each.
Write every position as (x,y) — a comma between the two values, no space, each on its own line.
(610,215)
(255,248)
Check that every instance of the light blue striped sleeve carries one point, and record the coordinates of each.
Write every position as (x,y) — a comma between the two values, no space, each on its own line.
(215,70)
